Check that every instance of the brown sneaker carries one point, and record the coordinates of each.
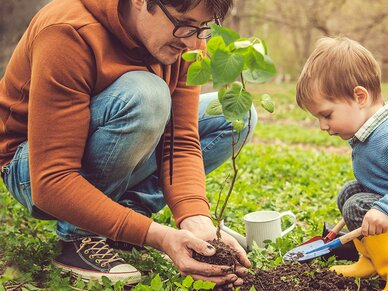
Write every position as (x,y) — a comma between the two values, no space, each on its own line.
(91,258)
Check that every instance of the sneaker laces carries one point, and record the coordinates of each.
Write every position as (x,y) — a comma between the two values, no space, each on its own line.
(101,251)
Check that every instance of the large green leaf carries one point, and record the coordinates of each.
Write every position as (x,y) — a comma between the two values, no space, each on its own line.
(221,93)
(214,108)
(227,34)
(253,59)
(236,103)
(199,72)
(214,44)
(226,67)
(261,71)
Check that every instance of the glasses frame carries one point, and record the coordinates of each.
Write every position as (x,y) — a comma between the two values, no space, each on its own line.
(196,30)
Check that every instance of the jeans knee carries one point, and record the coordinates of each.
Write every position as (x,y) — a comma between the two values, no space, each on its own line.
(148,96)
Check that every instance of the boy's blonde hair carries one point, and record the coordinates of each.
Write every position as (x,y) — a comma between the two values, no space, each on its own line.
(335,68)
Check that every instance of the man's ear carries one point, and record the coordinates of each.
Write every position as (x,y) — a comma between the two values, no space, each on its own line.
(137,4)
(361,96)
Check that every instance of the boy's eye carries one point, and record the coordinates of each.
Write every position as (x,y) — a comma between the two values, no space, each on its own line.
(327,116)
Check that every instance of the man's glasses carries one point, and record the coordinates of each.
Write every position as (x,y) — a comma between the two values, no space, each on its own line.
(182,30)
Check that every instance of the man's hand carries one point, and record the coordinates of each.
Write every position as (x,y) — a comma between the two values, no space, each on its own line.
(375,222)
(179,246)
(202,227)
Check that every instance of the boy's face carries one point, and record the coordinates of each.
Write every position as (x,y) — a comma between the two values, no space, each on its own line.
(341,117)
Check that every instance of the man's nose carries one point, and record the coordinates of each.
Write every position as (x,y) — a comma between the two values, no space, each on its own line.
(190,42)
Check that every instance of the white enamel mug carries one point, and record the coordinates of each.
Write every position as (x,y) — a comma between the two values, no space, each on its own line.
(266,225)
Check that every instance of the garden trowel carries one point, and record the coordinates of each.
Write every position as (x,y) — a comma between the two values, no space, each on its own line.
(319,248)
(332,234)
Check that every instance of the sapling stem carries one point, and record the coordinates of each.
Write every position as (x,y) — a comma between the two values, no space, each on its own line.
(219,216)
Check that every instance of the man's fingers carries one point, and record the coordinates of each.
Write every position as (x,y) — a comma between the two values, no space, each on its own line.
(241,271)
(201,247)
(203,269)
(242,255)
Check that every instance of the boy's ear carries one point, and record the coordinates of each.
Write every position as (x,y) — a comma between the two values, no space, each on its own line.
(361,95)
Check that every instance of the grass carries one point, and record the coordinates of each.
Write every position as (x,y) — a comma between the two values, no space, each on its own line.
(289,165)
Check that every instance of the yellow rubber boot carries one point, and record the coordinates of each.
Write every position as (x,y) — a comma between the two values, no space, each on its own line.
(362,268)
(377,248)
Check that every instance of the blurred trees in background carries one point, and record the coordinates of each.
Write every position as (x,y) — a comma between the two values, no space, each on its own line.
(14,18)
(289,27)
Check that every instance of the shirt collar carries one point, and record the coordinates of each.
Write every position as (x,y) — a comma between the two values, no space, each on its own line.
(372,123)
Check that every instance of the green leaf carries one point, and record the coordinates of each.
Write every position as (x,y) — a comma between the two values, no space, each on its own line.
(226,67)
(106,281)
(214,44)
(187,282)
(141,287)
(236,103)
(238,125)
(199,72)
(253,59)
(202,285)
(266,103)
(221,93)
(181,288)
(263,71)
(191,56)
(242,44)
(259,48)
(259,45)
(227,34)
(214,108)
(252,288)
(156,283)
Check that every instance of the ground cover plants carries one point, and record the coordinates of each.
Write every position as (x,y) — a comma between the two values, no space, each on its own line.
(293,168)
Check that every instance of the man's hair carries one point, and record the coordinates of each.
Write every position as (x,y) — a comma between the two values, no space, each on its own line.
(335,68)
(218,7)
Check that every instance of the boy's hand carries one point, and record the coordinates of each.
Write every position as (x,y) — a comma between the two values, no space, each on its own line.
(375,222)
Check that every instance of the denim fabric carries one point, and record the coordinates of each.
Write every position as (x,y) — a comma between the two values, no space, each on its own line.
(127,120)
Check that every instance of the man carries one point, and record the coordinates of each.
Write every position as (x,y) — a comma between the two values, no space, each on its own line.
(99,130)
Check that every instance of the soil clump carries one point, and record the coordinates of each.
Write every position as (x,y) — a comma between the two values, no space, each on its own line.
(289,276)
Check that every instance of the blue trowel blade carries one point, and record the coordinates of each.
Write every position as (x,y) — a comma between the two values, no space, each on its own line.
(299,254)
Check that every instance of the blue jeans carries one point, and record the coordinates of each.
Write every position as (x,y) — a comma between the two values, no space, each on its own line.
(127,120)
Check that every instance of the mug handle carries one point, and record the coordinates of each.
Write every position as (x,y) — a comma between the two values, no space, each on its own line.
(288,213)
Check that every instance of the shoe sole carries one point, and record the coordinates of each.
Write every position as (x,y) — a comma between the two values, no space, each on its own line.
(130,278)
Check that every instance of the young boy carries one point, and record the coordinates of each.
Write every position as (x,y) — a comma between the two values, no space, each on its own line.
(340,86)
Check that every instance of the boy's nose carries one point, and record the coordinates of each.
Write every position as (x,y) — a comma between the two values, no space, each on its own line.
(323,125)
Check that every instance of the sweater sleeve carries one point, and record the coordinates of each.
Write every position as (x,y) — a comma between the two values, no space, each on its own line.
(186,196)
(63,75)
(382,204)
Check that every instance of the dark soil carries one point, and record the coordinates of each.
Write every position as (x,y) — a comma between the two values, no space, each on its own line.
(224,255)
(304,277)
(290,276)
